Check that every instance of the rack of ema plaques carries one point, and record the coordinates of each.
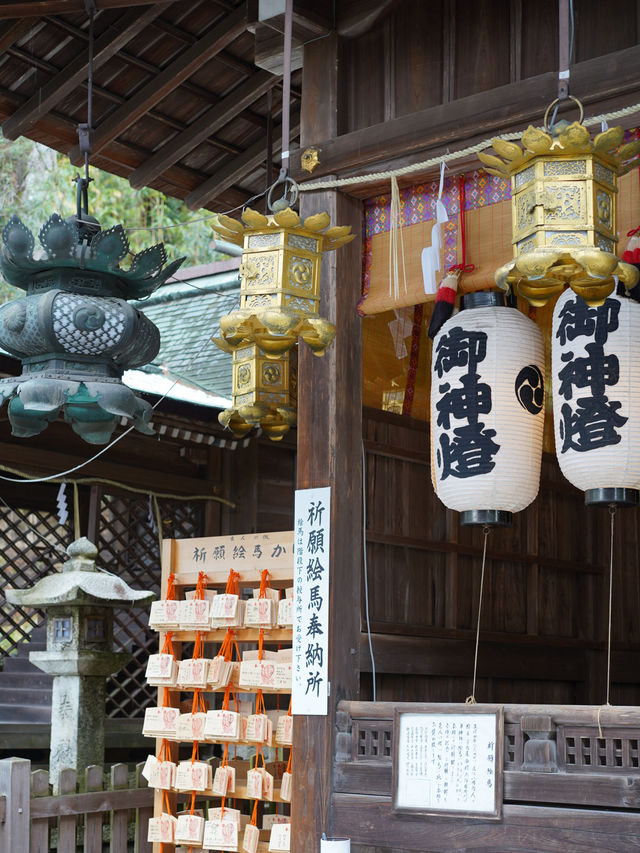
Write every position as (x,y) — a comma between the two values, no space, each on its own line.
(223,725)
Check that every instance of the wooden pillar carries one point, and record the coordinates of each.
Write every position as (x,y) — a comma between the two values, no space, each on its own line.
(330,454)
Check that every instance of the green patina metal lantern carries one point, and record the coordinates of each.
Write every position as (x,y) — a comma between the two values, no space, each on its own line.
(74,331)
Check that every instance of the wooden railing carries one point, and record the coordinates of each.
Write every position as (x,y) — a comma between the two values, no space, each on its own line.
(85,815)
(571,783)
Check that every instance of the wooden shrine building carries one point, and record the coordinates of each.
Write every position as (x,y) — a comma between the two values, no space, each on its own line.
(188,99)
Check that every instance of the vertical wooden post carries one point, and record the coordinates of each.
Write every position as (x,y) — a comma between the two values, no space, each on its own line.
(15,785)
(330,454)
(93,781)
(67,823)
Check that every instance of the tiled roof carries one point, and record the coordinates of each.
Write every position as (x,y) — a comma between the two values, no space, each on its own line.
(187,313)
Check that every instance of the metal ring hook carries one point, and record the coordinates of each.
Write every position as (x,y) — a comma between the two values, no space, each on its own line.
(557,101)
(284,202)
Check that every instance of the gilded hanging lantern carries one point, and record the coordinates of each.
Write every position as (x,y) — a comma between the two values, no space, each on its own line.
(280,281)
(487,410)
(74,331)
(596,407)
(264,393)
(563,198)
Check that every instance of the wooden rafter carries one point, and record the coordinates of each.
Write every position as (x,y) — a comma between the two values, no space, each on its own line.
(244,67)
(36,8)
(237,167)
(61,84)
(11,32)
(222,34)
(213,119)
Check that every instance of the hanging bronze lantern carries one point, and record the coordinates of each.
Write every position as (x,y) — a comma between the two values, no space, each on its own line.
(280,281)
(563,197)
(74,331)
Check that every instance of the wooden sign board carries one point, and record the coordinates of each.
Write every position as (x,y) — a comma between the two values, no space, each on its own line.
(447,760)
(246,553)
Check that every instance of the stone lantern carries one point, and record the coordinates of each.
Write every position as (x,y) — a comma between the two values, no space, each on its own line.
(79,602)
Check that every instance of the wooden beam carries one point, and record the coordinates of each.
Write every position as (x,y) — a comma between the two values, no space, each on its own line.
(453,658)
(60,85)
(38,462)
(426,133)
(370,820)
(236,168)
(11,32)
(357,17)
(211,121)
(36,8)
(222,34)
(330,454)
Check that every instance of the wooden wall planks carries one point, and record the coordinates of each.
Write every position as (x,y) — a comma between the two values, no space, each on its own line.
(556,553)
(425,54)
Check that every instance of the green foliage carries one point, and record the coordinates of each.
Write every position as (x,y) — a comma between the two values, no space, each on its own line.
(36,181)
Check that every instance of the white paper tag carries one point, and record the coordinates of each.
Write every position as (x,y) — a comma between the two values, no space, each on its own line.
(280,839)
(190,829)
(160,722)
(222,725)
(162,828)
(221,835)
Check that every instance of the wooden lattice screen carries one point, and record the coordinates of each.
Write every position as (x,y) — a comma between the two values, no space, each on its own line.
(32,543)
(129,547)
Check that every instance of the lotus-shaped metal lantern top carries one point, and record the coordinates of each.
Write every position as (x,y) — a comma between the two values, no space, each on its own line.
(280,280)
(563,197)
(69,246)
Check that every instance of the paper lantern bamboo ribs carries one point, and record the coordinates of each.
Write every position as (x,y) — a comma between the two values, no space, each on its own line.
(563,196)
(280,281)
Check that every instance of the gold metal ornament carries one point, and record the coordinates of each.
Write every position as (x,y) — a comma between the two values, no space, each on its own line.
(563,202)
(280,281)
(264,393)
(309,159)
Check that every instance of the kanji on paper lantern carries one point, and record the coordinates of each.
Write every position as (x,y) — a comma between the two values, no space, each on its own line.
(487,410)
(596,404)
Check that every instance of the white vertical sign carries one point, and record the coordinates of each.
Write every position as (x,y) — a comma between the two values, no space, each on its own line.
(311,607)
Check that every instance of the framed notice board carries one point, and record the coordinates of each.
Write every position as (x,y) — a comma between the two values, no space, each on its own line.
(447,760)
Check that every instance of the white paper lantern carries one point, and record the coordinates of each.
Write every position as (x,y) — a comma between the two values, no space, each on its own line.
(487,411)
(595,364)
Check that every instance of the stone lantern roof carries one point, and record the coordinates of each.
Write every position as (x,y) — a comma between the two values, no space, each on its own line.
(80,583)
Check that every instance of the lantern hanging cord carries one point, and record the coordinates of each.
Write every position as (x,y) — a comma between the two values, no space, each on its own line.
(365,568)
(471,700)
(449,157)
(612,513)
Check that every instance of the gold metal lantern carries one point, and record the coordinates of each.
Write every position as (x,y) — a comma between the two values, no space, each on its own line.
(264,393)
(563,198)
(280,281)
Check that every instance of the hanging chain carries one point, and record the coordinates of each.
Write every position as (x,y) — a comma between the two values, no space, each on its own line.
(471,700)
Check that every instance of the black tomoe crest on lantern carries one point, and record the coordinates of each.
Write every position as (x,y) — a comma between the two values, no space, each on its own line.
(74,331)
